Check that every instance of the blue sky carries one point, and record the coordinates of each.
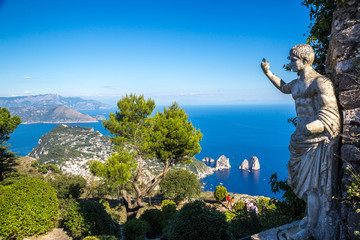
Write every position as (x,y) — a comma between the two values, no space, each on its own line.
(194,52)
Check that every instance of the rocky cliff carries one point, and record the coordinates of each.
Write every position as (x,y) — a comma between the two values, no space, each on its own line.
(244,165)
(254,163)
(222,163)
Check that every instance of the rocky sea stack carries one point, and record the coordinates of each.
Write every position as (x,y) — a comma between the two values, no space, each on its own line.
(253,164)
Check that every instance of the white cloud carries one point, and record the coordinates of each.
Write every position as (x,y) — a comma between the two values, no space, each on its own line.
(27,77)
(27,92)
(110,87)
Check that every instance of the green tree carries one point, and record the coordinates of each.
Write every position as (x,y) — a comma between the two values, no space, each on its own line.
(197,221)
(321,14)
(220,193)
(138,136)
(68,186)
(180,184)
(8,124)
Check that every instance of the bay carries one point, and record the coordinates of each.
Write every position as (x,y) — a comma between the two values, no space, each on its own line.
(236,131)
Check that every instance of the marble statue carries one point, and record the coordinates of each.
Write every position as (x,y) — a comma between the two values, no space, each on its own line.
(311,163)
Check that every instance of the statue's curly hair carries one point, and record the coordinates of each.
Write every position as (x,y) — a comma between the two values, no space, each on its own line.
(304,51)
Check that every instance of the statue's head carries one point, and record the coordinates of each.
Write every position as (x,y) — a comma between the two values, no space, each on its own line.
(304,52)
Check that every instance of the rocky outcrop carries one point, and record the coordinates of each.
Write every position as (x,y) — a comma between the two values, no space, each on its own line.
(244,165)
(343,68)
(254,163)
(222,163)
(207,159)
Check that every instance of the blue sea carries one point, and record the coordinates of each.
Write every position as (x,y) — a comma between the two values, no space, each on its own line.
(236,131)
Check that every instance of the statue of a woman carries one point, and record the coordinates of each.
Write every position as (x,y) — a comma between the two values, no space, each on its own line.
(311,145)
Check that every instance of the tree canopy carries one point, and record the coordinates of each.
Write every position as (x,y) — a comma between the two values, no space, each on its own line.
(167,136)
(8,124)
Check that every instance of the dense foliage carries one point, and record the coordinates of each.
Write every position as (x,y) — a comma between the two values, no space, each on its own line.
(290,206)
(27,207)
(196,221)
(87,218)
(68,186)
(8,124)
(220,193)
(137,136)
(245,223)
(156,220)
(168,207)
(135,229)
(179,185)
(321,14)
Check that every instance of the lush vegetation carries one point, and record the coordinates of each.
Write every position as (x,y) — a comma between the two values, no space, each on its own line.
(8,124)
(168,136)
(179,185)
(68,186)
(220,193)
(27,207)
(196,221)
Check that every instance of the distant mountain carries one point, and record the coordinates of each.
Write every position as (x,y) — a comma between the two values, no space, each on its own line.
(51,108)
(51,100)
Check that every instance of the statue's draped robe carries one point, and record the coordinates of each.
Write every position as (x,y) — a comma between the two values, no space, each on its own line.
(310,164)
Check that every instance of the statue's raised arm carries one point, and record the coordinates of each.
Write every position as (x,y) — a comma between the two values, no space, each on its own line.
(278,82)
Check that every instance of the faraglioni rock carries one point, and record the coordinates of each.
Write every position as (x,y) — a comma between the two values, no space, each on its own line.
(244,165)
(254,163)
(208,159)
(222,163)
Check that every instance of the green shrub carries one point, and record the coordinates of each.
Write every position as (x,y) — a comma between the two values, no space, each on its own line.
(27,207)
(48,167)
(179,185)
(135,229)
(91,238)
(168,207)
(68,186)
(87,218)
(113,212)
(244,224)
(196,221)
(156,220)
(238,206)
(265,201)
(220,193)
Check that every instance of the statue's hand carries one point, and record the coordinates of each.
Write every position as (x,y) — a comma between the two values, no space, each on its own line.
(265,65)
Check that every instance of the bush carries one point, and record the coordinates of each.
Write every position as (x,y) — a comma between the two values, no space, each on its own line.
(135,229)
(156,220)
(87,218)
(244,224)
(238,206)
(68,186)
(196,221)
(180,184)
(168,207)
(27,207)
(220,193)
(91,238)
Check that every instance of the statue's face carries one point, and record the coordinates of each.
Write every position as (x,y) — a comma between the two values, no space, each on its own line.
(296,63)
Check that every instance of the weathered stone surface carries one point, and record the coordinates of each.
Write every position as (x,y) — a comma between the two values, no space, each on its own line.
(351,116)
(348,81)
(351,135)
(254,163)
(278,233)
(222,163)
(244,165)
(350,153)
(350,99)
